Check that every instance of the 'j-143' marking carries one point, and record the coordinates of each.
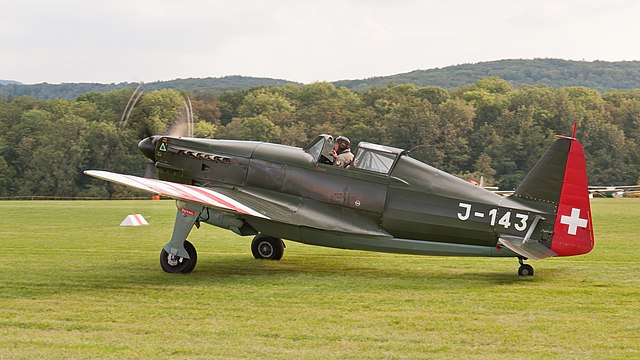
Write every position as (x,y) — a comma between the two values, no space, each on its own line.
(520,220)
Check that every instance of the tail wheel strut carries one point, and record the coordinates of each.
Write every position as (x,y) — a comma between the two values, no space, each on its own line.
(524,269)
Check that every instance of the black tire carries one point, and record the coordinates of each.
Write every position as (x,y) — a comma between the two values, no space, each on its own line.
(265,247)
(525,270)
(176,264)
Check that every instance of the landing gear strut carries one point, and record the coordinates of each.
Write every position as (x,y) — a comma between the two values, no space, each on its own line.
(267,248)
(179,255)
(525,269)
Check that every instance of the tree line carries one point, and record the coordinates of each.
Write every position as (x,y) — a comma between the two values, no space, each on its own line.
(489,128)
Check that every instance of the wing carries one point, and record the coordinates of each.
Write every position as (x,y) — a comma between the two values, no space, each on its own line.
(625,188)
(260,204)
(201,195)
(629,187)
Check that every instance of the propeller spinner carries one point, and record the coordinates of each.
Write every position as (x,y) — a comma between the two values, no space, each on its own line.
(147,147)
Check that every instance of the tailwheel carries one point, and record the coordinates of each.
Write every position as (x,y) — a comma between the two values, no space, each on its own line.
(525,269)
(267,248)
(176,264)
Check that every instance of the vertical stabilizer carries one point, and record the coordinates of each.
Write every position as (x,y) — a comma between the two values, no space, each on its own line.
(560,179)
(544,182)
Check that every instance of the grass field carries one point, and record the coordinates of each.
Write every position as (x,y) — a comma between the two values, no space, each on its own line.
(76,285)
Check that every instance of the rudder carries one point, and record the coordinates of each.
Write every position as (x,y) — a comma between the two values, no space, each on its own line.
(573,231)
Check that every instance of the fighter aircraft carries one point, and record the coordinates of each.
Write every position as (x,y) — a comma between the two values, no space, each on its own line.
(614,191)
(385,201)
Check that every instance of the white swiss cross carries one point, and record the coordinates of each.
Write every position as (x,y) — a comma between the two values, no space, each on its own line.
(574,221)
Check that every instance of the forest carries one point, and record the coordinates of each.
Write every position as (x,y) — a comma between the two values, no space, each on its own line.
(489,128)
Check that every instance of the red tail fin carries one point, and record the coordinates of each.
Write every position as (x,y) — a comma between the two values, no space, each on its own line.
(573,231)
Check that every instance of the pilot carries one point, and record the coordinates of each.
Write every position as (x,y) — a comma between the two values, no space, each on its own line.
(342,155)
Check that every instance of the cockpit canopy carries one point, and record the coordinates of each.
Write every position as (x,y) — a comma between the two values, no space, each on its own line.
(369,157)
(376,158)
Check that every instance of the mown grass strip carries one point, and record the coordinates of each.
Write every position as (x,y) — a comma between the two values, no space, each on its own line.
(75,285)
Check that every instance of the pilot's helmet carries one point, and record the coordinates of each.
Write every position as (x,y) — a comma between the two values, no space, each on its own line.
(343,139)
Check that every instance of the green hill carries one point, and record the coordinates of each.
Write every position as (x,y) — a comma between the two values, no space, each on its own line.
(600,75)
(5,82)
(71,91)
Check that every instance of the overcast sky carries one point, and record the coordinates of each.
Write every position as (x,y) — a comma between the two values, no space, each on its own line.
(299,40)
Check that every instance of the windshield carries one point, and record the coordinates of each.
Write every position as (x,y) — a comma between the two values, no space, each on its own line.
(315,149)
(319,146)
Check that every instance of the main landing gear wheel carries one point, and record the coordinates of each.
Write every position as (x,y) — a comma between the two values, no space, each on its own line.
(267,248)
(176,264)
(525,269)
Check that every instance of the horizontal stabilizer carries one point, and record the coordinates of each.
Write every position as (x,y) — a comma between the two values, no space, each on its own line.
(530,249)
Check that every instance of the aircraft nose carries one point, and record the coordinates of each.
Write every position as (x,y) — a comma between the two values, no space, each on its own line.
(148,147)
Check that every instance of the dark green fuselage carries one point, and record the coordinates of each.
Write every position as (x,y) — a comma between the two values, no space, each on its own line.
(413,208)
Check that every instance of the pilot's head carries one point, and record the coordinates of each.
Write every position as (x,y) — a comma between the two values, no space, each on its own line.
(343,142)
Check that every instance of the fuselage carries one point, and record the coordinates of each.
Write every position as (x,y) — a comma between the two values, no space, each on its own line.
(419,207)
